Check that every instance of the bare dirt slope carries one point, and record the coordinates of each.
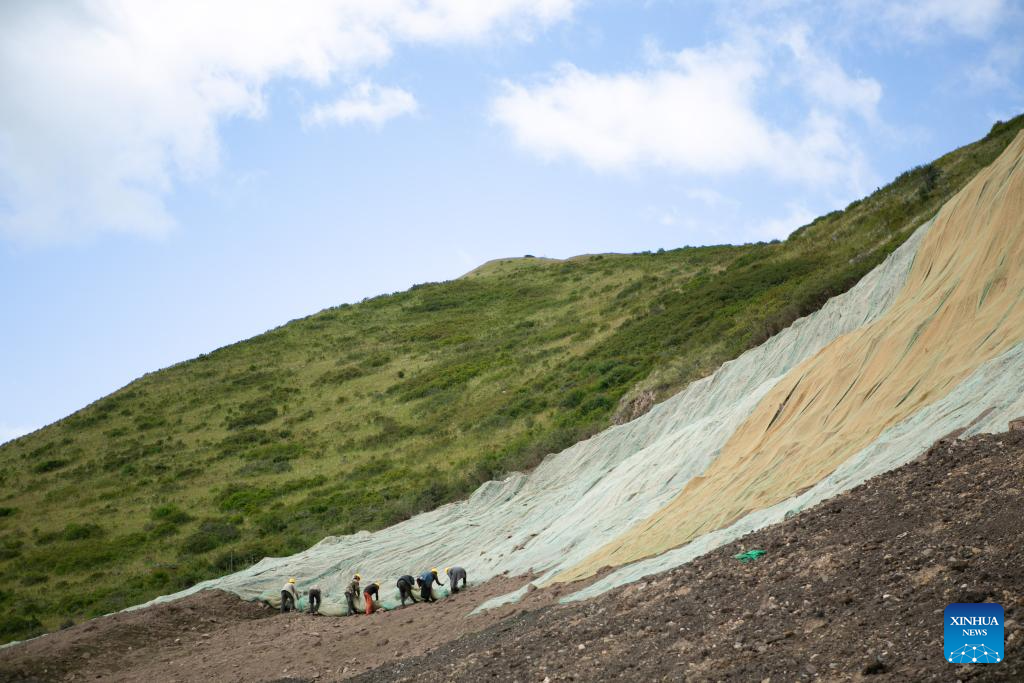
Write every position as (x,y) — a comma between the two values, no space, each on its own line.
(851,589)
(214,636)
(126,639)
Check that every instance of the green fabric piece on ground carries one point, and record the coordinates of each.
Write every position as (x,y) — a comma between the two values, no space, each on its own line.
(749,556)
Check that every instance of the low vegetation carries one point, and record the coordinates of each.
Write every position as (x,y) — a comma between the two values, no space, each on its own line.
(363,415)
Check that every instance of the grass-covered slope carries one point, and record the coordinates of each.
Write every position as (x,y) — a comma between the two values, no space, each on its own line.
(363,415)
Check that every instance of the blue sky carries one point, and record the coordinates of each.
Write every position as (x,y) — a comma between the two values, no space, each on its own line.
(177,177)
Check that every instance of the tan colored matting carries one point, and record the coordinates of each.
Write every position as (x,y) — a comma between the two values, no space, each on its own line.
(961,306)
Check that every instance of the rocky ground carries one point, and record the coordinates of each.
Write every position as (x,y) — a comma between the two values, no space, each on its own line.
(852,589)
(214,636)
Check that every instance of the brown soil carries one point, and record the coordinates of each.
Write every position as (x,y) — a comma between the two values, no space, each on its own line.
(215,636)
(851,589)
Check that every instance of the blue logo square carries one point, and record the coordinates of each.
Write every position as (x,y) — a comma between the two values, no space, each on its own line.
(973,633)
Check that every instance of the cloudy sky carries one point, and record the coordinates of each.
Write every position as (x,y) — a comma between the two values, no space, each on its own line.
(176,176)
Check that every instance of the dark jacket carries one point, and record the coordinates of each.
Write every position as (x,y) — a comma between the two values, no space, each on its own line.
(372,590)
(428,578)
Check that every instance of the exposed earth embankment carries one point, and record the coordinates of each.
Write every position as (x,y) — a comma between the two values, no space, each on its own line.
(851,589)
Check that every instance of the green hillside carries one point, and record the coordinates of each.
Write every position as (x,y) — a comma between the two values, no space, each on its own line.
(363,415)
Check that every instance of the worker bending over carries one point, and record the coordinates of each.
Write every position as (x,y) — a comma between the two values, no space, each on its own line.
(405,584)
(426,580)
(314,600)
(456,574)
(289,596)
(351,592)
(370,594)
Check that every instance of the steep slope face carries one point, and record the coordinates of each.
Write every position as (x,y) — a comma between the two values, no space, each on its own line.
(962,306)
(929,342)
(852,586)
(363,415)
(584,496)
(850,590)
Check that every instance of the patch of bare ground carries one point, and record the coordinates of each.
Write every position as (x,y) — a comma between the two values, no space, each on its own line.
(850,590)
(853,589)
(215,636)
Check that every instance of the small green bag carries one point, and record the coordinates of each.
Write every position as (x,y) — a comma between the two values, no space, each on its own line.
(749,556)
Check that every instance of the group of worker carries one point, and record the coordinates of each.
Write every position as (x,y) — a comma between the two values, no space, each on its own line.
(406,585)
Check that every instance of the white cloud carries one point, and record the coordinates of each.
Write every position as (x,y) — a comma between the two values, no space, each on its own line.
(364,102)
(106,104)
(707,196)
(826,80)
(699,116)
(664,216)
(652,53)
(920,18)
(891,22)
(999,68)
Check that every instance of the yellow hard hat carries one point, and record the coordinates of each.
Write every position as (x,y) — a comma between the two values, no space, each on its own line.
(377,584)
(434,570)
(291,580)
(447,569)
(357,577)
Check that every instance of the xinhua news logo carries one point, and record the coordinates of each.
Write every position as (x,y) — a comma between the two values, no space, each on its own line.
(973,633)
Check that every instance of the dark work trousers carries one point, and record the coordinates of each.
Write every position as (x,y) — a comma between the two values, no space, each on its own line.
(314,600)
(406,591)
(287,601)
(351,603)
(425,593)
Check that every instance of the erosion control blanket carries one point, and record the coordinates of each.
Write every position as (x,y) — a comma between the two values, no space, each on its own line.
(927,343)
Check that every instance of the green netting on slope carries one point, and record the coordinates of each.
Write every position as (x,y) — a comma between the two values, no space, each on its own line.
(581,498)
(984,402)
(388,600)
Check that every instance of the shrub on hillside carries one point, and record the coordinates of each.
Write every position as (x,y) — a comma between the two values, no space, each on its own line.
(211,534)
(78,532)
(19,627)
(170,513)
(252,414)
(146,422)
(391,431)
(242,440)
(10,547)
(243,498)
(272,459)
(376,360)
(339,376)
(49,465)
(239,558)
(167,520)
